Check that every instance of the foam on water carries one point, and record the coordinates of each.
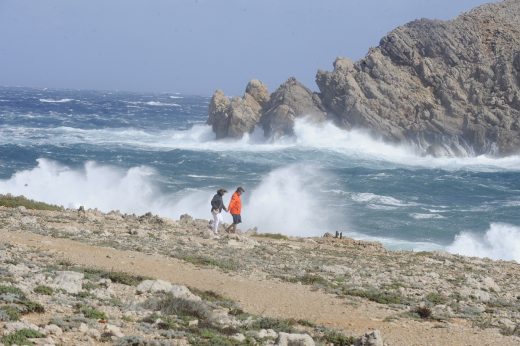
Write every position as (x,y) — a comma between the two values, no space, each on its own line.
(326,137)
(371,198)
(501,241)
(55,101)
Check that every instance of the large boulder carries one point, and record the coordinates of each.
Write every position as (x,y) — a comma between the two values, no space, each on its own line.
(286,339)
(69,281)
(233,118)
(290,101)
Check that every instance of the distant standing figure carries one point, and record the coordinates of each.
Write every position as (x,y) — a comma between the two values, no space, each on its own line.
(217,204)
(235,208)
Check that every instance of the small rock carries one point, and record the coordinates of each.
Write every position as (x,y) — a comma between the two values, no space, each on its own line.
(193,323)
(53,330)
(70,282)
(113,330)
(269,333)
(239,337)
(286,339)
(16,326)
(373,338)
(83,328)
(94,334)
(154,286)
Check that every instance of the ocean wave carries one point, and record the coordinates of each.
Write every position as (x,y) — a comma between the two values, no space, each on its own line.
(422,216)
(161,104)
(353,145)
(501,241)
(370,198)
(55,101)
(285,200)
(152,103)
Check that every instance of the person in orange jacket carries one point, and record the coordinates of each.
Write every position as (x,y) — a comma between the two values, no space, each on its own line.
(235,208)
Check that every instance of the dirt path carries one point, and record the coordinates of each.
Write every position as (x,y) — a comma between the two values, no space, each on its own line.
(267,297)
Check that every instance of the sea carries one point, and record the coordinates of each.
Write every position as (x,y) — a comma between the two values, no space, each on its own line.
(140,153)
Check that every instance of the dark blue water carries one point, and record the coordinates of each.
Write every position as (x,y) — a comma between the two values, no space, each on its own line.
(140,152)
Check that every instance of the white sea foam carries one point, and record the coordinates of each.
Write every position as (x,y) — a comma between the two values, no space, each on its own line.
(371,198)
(501,241)
(162,104)
(55,101)
(354,144)
(286,200)
(421,216)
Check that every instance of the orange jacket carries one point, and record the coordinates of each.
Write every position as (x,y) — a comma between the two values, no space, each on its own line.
(235,206)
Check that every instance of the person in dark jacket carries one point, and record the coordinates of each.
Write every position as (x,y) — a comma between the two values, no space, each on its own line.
(217,204)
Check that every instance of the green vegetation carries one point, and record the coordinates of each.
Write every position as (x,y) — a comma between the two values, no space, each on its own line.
(436,298)
(91,312)
(278,324)
(12,290)
(114,276)
(171,305)
(276,236)
(310,279)
(337,339)
(9,313)
(21,337)
(381,297)
(46,290)
(20,201)
(30,306)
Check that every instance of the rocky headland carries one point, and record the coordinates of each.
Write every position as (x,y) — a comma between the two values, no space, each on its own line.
(447,87)
(85,277)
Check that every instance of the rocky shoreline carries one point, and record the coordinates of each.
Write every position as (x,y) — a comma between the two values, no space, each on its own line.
(446,87)
(425,287)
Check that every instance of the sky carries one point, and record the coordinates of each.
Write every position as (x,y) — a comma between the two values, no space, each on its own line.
(193,46)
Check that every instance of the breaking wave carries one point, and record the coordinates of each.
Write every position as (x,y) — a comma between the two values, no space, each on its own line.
(501,241)
(286,200)
(353,145)
(55,101)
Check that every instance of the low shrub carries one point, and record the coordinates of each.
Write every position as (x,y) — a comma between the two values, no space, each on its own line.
(21,201)
(21,337)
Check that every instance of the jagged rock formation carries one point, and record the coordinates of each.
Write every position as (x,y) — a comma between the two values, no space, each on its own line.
(451,87)
(290,101)
(232,118)
(276,113)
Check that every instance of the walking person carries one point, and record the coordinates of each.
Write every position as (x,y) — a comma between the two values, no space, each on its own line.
(235,208)
(217,204)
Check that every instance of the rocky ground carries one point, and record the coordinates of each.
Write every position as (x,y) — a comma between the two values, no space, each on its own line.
(404,294)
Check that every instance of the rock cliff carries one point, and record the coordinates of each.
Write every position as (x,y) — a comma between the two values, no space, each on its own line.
(450,87)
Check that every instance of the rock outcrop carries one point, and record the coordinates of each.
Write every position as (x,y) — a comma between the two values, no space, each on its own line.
(232,118)
(450,87)
(275,113)
(290,101)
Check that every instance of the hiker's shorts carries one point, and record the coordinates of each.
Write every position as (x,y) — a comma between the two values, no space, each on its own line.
(236,219)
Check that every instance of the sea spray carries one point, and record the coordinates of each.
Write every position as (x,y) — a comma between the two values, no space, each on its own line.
(308,137)
(501,241)
(287,200)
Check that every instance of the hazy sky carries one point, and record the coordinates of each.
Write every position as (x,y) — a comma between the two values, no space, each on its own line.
(193,46)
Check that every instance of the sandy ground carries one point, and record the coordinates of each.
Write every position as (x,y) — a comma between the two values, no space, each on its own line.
(269,297)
